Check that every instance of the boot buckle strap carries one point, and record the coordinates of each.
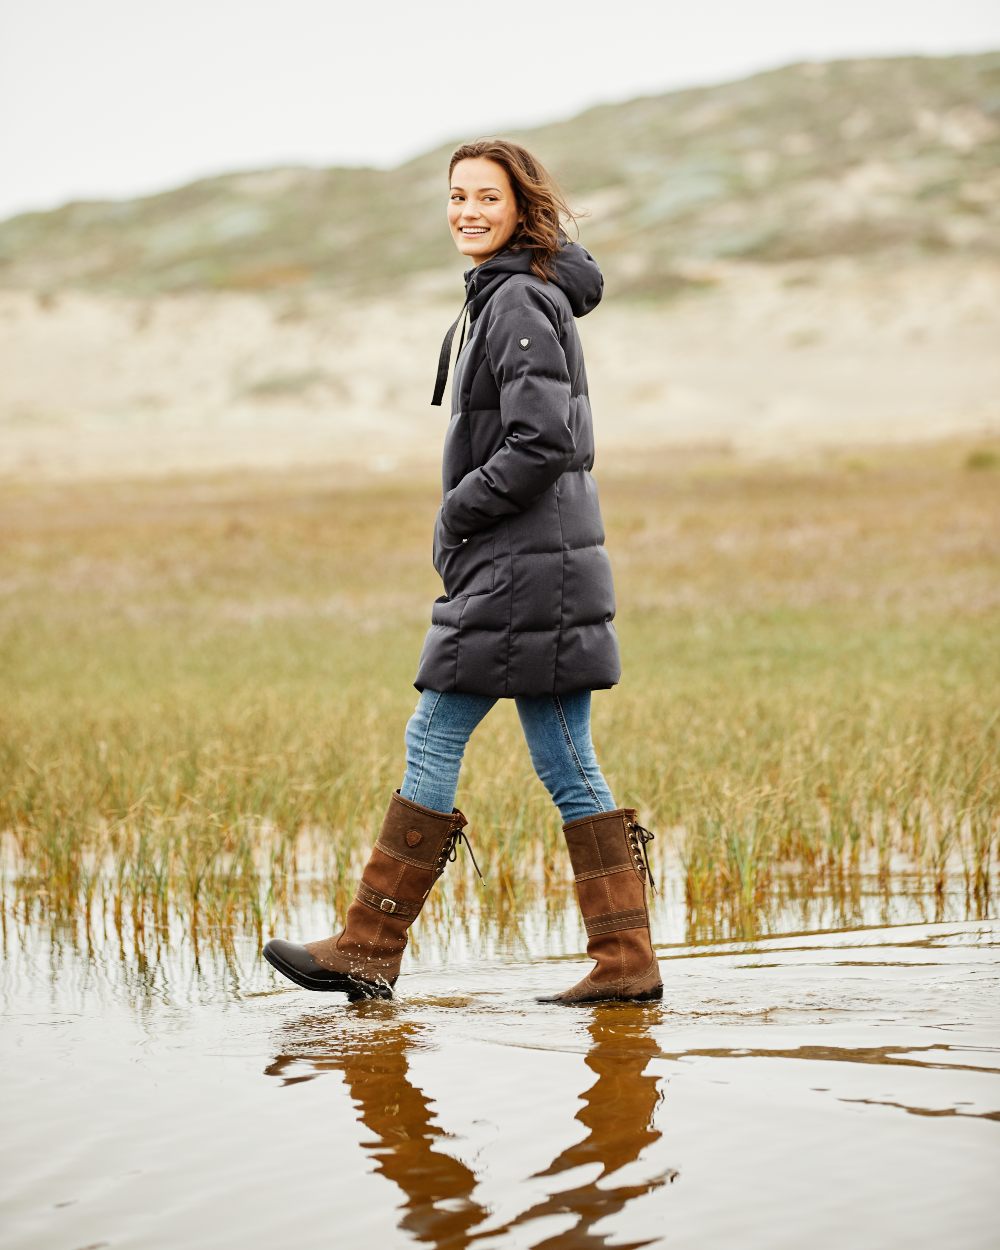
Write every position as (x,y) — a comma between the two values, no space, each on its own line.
(383,903)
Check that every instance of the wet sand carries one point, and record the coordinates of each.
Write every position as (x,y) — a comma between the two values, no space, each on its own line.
(808,1088)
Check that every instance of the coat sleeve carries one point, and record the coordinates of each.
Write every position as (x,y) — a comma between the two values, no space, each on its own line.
(529,365)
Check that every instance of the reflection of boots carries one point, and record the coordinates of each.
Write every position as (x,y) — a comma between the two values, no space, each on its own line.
(363,959)
(618,1116)
(402,1135)
(610,864)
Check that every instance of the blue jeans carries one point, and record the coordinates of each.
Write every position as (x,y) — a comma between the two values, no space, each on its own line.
(557,730)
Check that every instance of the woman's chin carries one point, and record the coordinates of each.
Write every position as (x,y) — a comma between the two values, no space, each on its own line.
(476,249)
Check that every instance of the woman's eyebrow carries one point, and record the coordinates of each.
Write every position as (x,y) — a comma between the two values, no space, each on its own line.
(481,189)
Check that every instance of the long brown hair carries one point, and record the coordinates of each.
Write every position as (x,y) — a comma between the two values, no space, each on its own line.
(538,197)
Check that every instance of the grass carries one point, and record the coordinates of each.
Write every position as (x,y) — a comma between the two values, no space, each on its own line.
(207,683)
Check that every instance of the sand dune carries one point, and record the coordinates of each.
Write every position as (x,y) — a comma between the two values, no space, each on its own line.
(766,359)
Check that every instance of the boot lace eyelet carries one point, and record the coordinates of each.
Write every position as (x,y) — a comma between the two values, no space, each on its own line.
(449,851)
(639,838)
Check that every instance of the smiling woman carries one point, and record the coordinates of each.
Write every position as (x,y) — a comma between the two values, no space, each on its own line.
(528,600)
(501,194)
(483,220)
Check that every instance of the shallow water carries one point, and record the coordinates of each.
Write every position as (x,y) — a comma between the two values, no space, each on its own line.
(813,1088)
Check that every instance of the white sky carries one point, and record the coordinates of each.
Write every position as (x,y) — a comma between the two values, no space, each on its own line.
(113,98)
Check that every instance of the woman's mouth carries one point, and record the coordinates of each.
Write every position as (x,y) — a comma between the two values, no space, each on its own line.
(472,232)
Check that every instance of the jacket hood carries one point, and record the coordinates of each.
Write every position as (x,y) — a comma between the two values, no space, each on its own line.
(576,273)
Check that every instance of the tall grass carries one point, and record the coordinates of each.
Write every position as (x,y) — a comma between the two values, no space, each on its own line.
(207,682)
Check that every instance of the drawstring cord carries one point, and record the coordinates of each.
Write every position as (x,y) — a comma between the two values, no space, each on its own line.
(444,359)
(465,324)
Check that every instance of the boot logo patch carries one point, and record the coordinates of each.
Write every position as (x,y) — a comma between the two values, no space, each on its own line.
(525,343)
(414,837)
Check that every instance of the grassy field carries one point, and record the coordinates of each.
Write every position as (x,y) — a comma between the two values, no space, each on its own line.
(206,683)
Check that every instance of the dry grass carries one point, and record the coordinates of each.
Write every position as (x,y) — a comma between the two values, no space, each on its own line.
(207,682)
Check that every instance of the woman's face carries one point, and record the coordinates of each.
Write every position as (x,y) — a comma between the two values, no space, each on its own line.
(482,210)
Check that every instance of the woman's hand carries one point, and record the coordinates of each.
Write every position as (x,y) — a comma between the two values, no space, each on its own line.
(465,565)
(443,540)
(531,371)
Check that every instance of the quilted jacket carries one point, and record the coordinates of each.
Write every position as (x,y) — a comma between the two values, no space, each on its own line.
(518,542)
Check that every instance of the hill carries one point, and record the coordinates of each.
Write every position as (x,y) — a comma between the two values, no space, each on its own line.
(889,156)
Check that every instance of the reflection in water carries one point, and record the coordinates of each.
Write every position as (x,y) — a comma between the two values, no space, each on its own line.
(117,910)
(842,1065)
(440,1208)
(617,1112)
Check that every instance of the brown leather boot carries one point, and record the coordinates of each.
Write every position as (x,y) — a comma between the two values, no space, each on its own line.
(610,864)
(363,959)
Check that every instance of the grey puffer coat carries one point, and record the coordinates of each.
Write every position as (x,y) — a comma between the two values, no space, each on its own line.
(519,540)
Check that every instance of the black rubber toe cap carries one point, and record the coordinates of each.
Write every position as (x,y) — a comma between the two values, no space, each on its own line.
(297,964)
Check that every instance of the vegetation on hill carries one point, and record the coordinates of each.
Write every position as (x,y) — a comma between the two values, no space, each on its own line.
(817,159)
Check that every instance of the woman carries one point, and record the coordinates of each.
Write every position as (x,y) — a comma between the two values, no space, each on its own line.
(529,599)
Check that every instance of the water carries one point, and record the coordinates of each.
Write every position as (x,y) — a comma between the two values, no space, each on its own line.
(820,1088)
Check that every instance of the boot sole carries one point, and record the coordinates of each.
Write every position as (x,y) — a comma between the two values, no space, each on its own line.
(647,996)
(354,988)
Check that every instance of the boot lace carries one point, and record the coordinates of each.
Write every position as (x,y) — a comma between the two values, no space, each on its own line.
(639,839)
(449,851)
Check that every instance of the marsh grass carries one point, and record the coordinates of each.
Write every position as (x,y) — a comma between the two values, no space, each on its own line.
(207,681)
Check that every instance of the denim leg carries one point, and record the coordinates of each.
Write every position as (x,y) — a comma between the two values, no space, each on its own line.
(557,729)
(436,735)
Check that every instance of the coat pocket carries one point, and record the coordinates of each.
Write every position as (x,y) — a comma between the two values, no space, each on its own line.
(465,568)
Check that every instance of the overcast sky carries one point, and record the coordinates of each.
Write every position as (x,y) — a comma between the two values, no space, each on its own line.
(113,98)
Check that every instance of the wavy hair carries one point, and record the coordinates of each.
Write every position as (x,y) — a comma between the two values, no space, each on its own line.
(538,198)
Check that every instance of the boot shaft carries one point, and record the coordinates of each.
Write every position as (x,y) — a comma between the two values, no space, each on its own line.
(610,867)
(418,835)
(607,843)
(413,848)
